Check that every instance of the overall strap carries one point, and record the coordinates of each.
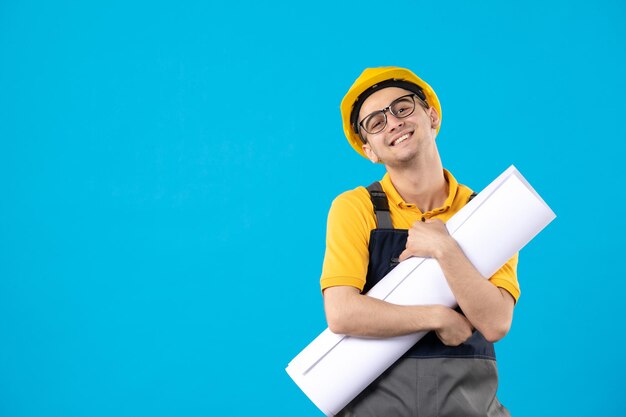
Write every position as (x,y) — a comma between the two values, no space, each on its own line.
(381,205)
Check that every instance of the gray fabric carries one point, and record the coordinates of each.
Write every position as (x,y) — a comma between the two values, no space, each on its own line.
(381,205)
(433,387)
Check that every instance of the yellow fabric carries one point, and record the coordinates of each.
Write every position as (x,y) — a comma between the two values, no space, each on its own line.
(351,219)
(373,76)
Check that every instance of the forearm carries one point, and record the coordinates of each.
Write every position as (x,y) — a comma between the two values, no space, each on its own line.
(349,312)
(487,307)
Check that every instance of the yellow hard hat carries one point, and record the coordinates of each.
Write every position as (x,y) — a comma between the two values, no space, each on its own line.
(369,78)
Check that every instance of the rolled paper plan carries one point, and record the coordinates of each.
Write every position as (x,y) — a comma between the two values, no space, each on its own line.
(333,369)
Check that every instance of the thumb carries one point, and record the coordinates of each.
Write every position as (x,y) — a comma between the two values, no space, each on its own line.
(404,255)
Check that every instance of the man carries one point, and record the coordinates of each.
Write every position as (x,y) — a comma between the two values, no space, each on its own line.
(392,117)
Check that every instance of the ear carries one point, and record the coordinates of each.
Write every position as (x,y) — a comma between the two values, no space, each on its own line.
(370,153)
(435,121)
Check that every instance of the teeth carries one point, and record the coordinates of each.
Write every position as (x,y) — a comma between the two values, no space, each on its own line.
(401,139)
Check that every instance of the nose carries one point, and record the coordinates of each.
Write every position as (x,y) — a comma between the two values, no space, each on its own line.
(393,122)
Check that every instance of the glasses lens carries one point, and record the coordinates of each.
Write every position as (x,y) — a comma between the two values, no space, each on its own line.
(375,122)
(403,107)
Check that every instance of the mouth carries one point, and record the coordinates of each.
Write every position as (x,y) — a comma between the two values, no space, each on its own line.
(400,139)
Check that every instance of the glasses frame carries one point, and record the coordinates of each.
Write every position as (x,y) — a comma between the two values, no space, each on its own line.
(388,109)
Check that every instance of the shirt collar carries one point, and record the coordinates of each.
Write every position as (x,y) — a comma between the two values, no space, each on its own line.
(395,198)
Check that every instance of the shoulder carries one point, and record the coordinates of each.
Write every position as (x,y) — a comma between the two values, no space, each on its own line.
(353,201)
(352,210)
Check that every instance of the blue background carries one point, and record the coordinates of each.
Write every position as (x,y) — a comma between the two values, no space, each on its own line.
(166,170)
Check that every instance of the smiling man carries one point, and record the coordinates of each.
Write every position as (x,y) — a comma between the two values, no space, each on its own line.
(392,117)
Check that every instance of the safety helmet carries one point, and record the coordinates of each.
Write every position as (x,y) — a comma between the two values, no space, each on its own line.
(370,78)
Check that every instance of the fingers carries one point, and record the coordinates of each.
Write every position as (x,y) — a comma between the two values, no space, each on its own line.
(451,340)
(404,255)
(470,326)
(455,331)
(424,238)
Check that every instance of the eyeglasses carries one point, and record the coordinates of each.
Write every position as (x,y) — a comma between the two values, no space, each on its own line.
(401,107)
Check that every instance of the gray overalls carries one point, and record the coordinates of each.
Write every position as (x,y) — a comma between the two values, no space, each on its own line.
(431,379)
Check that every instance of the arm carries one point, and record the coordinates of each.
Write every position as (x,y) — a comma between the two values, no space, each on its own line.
(349,312)
(488,308)
(350,221)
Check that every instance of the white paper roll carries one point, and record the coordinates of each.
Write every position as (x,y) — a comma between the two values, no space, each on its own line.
(333,369)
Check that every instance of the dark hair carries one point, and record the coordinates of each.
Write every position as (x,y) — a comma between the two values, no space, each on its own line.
(356,108)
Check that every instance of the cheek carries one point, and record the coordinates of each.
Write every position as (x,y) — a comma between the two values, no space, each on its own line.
(422,120)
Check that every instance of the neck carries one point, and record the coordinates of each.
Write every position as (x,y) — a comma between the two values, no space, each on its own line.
(421,183)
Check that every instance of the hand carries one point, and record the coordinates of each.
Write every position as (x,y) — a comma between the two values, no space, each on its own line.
(455,328)
(426,239)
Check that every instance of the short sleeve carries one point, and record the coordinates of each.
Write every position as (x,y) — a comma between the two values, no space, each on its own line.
(506,277)
(350,221)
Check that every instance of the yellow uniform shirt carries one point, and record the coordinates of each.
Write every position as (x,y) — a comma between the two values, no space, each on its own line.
(351,219)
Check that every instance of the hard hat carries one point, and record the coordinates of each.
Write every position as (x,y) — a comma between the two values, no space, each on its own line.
(369,78)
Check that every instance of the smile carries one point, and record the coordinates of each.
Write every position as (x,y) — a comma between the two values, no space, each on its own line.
(400,139)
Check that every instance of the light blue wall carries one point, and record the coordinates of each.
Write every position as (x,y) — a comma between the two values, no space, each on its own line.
(166,169)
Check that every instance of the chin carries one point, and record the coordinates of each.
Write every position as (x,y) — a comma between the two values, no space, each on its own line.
(400,163)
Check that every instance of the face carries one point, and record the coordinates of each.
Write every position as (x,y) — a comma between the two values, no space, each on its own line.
(401,139)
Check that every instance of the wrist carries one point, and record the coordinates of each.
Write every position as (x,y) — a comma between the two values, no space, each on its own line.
(447,248)
(440,317)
